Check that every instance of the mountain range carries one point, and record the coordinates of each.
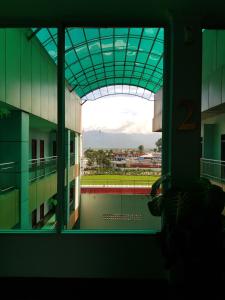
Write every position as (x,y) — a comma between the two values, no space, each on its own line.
(101,139)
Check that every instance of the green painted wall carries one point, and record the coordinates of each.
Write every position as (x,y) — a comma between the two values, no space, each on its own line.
(42,190)
(213,128)
(2,64)
(9,209)
(14,147)
(213,68)
(209,141)
(14,138)
(28,78)
(95,206)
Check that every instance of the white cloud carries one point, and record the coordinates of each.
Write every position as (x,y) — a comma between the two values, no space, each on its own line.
(121,113)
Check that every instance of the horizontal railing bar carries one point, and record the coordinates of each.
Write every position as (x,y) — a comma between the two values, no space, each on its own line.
(209,159)
(8,163)
(6,189)
(43,158)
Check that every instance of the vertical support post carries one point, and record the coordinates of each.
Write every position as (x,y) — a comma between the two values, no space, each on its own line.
(25,220)
(60,129)
(166,145)
(77,165)
(183,91)
(67,206)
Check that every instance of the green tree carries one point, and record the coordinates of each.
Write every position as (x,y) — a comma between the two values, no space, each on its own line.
(103,158)
(99,157)
(91,156)
(159,145)
(141,148)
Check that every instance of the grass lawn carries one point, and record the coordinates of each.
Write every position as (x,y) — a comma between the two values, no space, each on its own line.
(118,180)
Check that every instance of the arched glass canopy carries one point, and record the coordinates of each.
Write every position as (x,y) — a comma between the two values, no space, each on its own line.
(96,59)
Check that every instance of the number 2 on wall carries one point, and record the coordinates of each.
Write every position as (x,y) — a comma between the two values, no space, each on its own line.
(187,124)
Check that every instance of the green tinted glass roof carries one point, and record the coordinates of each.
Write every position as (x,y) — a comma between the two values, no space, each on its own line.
(102,61)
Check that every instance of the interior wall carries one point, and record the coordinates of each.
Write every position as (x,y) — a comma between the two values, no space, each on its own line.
(81,255)
(212,136)
(40,135)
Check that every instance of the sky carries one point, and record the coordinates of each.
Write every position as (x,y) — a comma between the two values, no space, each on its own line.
(118,114)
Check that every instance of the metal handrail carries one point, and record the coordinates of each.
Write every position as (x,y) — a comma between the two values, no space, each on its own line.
(209,159)
(40,167)
(8,179)
(213,169)
(42,159)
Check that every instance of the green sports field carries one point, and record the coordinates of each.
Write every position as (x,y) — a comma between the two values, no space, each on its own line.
(118,180)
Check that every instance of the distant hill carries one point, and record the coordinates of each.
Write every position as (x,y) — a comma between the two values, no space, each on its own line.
(101,139)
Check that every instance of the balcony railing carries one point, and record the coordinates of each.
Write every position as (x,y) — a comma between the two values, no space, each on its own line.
(41,167)
(7,176)
(213,169)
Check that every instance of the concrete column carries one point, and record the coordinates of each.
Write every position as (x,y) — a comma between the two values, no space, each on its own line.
(25,220)
(166,144)
(182,94)
(77,162)
(60,210)
(182,123)
(67,188)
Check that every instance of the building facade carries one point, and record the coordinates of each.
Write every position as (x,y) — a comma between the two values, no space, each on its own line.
(28,146)
(212,107)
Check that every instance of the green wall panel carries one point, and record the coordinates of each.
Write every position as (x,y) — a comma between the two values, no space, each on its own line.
(50,93)
(215,88)
(212,54)
(2,64)
(25,73)
(54,94)
(52,181)
(220,47)
(40,191)
(28,78)
(17,207)
(6,215)
(44,87)
(13,56)
(36,78)
(9,213)
(48,188)
(32,196)
(223,84)
(209,142)
(213,128)
(205,94)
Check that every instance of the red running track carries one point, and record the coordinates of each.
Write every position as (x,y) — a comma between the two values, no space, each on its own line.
(112,190)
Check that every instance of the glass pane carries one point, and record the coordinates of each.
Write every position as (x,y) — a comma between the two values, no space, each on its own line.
(136,43)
